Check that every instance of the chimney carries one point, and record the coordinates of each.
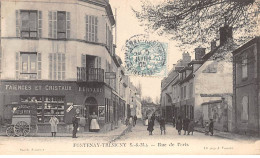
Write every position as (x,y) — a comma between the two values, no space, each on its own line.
(186,58)
(213,45)
(173,66)
(199,53)
(225,34)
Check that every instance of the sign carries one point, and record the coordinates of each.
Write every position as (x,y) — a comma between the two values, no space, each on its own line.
(110,75)
(101,112)
(71,107)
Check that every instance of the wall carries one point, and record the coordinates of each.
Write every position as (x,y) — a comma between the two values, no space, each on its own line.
(211,78)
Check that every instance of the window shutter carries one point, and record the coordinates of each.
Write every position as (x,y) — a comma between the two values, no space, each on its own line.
(17,65)
(96,29)
(54,22)
(63,66)
(68,24)
(39,67)
(17,14)
(50,24)
(83,60)
(50,66)
(99,62)
(39,24)
(87,28)
(1,57)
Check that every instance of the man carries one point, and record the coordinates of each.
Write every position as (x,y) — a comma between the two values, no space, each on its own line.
(211,127)
(75,122)
(162,125)
(173,121)
(135,118)
(186,122)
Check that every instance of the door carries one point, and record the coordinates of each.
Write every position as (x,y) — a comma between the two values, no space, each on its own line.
(91,106)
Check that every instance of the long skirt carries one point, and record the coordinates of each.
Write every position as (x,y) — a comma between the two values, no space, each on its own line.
(94,125)
(53,128)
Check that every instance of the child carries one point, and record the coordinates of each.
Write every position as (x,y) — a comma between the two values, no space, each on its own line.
(206,128)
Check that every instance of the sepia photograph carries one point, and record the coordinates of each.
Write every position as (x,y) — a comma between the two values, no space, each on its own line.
(129,77)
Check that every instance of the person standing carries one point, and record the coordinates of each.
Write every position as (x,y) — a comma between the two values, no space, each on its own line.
(94,126)
(75,122)
(130,123)
(153,118)
(186,122)
(191,127)
(150,126)
(54,123)
(211,127)
(179,125)
(162,125)
(173,121)
(135,118)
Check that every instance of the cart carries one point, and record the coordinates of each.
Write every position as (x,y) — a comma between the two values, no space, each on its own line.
(24,120)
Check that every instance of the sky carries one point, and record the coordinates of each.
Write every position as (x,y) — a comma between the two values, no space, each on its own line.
(128,26)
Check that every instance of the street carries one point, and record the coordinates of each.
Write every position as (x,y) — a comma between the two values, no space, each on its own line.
(136,142)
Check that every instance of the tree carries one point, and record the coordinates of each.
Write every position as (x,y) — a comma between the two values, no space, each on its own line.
(147,99)
(196,22)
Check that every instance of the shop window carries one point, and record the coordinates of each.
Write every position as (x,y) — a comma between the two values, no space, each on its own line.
(245,108)
(46,106)
(244,67)
(91,28)
(57,66)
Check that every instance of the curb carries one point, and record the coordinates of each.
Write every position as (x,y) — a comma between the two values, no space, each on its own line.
(125,131)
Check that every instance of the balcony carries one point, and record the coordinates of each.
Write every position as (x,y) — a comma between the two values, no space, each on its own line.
(90,74)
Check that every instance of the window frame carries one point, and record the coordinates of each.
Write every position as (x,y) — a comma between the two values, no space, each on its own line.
(36,23)
(243,119)
(29,72)
(244,67)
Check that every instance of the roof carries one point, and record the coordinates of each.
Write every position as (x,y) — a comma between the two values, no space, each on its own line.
(249,43)
(187,78)
(196,62)
(186,68)
(106,5)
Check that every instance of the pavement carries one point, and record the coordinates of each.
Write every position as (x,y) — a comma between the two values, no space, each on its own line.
(228,135)
(110,135)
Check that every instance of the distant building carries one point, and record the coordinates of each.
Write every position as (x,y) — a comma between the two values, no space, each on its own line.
(246,84)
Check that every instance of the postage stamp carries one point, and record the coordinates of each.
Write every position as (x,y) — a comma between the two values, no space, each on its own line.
(144,57)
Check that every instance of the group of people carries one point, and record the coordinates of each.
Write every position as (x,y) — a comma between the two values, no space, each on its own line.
(186,124)
(161,121)
(94,126)
(131,122)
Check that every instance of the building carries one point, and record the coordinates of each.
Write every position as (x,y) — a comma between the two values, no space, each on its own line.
(246,80)
(59,55)
(170,89)
(202,88)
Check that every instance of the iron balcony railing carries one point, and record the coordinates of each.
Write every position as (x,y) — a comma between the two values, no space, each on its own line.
(90,74)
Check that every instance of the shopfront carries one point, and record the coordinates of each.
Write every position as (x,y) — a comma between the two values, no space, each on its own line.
(60,98)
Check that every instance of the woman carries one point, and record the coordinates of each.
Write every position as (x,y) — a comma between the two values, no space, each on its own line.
(191,127)
(179,125)
(54,123)
(94,126)
(150,126)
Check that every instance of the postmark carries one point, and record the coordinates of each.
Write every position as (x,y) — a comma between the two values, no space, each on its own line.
(145,57)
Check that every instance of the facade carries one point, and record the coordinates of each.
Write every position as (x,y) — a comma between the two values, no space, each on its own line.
(202,89)
(246,80)
(60,56)
(170,89)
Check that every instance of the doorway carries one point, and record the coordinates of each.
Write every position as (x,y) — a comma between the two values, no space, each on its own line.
(91,106)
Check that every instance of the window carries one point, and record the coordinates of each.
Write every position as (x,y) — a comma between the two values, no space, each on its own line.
(28,24)
(184,92)
(191,90)
(0,61)
(57,66)
(28,69)
(91,28)
(59,24)
(245,107)
(244,66)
